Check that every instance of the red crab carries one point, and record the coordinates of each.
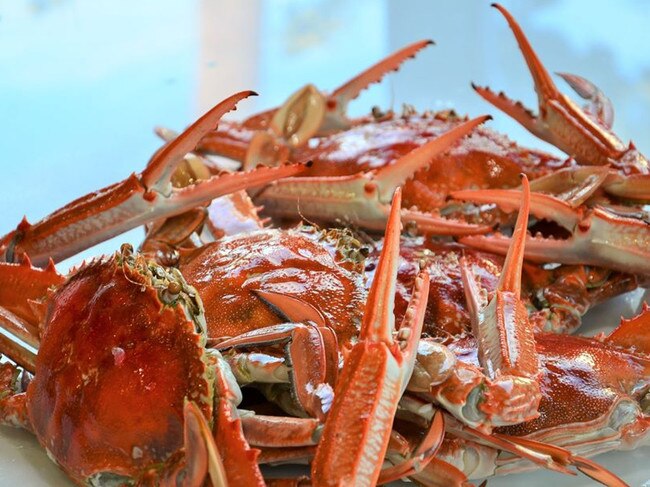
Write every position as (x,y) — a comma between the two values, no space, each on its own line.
(358,163)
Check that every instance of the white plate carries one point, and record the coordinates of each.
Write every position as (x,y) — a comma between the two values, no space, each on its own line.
(23,461)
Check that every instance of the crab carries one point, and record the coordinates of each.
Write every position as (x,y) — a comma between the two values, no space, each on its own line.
(607,376)
(139,199)
(300,305)
(599,206)
(357,163)
(99,375)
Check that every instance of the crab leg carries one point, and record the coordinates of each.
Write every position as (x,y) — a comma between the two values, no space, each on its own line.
(239,460)
(633,333)
(281,432)
(599,237)
(363,198)
(309,112)
(267,137)
(506,391)
(421,455)
(375,374)
(599,105)
(560,121)
(573,185)
(305,344)
(136,200)
(22,307)
(24,288)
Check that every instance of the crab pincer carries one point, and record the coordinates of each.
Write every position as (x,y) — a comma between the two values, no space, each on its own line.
(506,343)
(269,136)
(139,199)
(374,376)
(607,237)
(363,198)
(585,135)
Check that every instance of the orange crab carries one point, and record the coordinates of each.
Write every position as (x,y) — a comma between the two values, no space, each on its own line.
(99,375)
(358,163)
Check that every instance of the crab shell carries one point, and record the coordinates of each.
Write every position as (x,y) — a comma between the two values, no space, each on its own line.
(484,159)
(121,352)
(240,277)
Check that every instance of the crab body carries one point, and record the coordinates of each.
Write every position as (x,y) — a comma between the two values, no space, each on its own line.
(122,349)
(594,400)
(238,276)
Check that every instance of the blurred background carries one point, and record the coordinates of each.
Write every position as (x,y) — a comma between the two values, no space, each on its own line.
(83,83)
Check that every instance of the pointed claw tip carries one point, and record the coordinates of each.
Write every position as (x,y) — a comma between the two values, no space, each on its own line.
(526,185)
(25,260)
(396,203)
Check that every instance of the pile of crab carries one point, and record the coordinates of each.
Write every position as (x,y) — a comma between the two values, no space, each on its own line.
(227,341)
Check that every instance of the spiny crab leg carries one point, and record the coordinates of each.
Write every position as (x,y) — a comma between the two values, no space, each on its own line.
(506,345)
(560,121)
(599,236)
(136,200)
(363,198)
(375,374)
(309,112)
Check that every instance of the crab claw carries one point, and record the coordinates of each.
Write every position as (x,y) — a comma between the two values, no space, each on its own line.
(599,236)
(304,343)
(362,199)
(136,200)
(506,342)
(374,376)
(576,185)
(506,345)
(338,100)
(599,105)
(560,121)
